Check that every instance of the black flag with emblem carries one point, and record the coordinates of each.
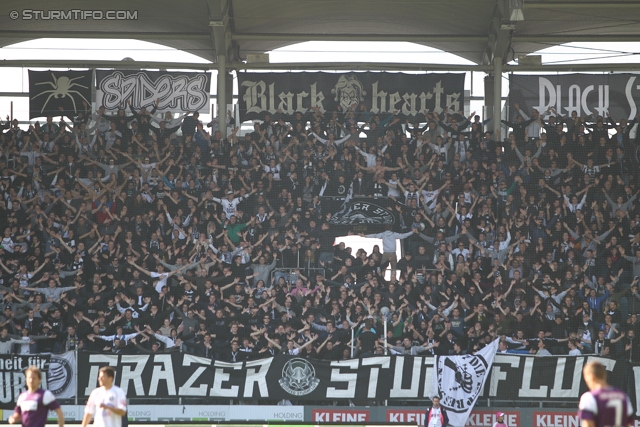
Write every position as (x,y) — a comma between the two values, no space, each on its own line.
(57,93)
(366,214)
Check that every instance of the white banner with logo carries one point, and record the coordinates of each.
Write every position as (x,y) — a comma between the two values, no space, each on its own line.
(61,377)
(173,91)
(459,380)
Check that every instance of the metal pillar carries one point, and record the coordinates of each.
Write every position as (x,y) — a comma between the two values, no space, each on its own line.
(497,97)
(222,95)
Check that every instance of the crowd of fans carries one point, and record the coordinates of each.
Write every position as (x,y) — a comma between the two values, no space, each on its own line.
(140,233)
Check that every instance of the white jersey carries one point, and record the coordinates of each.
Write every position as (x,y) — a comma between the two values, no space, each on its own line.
(104,417)
(25,345)
(8,244)
(162,280)
(230,207)
(147,167)
(394,191)
(430,198)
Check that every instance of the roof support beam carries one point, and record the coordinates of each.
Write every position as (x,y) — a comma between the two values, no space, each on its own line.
(358,66)
(218,23)
(357,37)
(583,68)
(220,30)
(129,65)
(499,33)
(342,66)
(576,38)
(521,38)
(570,6)
(103,35)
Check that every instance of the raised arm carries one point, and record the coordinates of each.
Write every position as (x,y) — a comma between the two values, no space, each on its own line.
(147,272)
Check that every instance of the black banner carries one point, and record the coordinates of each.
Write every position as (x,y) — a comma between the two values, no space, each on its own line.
(57,93)
(408,94)
(585,94)
(179,91)
(295,378)
(366,211)
(12,378)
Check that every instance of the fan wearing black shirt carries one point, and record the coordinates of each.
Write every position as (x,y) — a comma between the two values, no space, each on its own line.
(367,339)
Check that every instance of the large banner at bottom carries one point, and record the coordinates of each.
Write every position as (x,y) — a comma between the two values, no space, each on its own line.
(512,377)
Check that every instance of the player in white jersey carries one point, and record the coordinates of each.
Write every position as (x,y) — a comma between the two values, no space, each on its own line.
(107,404)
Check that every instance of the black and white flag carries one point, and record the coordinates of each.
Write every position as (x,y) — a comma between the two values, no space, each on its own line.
(394,378)
(61,378)
(369,212)
(377,93)
(57,93)
(459,380)
(173,91)
(584,94)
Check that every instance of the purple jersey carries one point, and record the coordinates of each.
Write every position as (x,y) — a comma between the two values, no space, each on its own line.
(607,407)
(34,407)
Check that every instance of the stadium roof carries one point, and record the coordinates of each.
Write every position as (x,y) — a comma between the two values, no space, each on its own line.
(477,30)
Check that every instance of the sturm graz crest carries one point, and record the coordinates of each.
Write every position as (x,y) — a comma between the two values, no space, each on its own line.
(298,377)
(59,375)
(461,380)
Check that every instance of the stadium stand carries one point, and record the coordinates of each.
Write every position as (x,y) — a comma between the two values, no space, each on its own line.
(122,238)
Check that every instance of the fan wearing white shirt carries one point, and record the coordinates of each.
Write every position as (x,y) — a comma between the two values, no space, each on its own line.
(230,204)
(430,196)
(160,274)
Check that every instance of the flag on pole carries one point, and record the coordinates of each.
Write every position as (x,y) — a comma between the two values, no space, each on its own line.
(459,380)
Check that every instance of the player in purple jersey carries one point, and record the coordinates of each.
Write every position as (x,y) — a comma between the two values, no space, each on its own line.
(603,405)
(33,405)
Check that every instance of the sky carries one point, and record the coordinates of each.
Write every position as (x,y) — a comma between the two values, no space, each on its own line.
(16,79)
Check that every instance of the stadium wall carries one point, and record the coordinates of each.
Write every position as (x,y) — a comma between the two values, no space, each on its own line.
(308,416)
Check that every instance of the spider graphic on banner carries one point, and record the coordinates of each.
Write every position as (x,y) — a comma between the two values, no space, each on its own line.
(62,87)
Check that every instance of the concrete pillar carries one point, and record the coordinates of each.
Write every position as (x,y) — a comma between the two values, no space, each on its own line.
(222,95)
(497,98)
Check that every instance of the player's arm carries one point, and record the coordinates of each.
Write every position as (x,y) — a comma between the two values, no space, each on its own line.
(60,417)
(587,408)
(15,417)
(114,409)
(49,400)
(86,419)
(89,410)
